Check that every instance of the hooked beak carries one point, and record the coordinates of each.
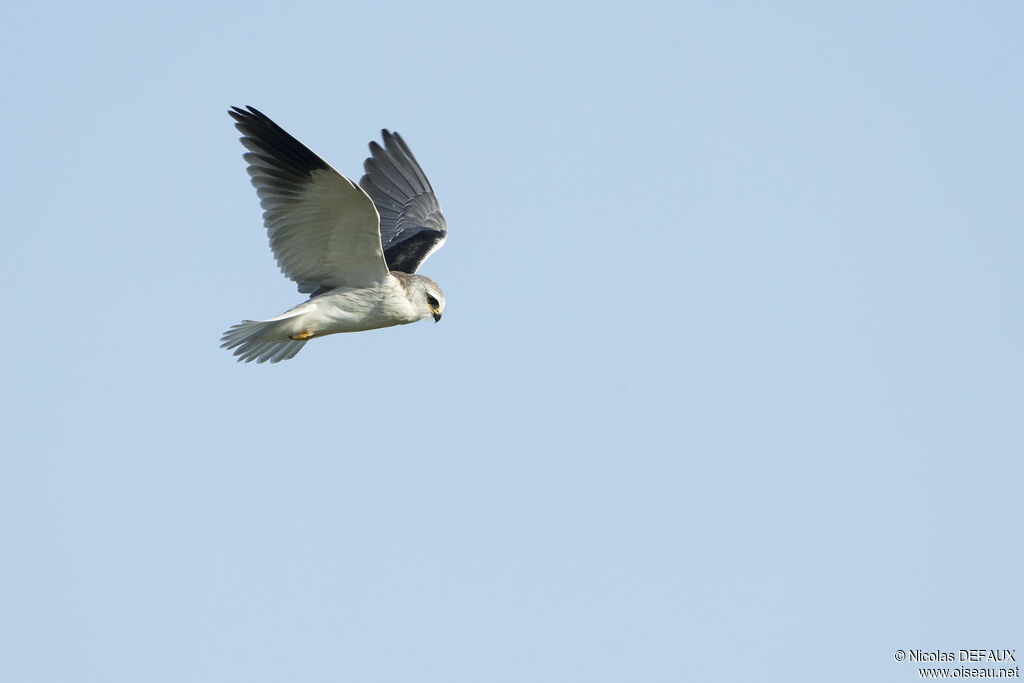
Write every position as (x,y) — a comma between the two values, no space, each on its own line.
(437,317)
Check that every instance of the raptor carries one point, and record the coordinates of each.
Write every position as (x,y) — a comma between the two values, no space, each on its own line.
(354,249)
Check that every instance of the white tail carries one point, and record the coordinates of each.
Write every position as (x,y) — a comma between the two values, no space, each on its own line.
(261,340)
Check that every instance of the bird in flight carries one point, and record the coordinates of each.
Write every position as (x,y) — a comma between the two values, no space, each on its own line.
(353,248)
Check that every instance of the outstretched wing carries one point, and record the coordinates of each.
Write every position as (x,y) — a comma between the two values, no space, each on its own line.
(412,226)
(324,230)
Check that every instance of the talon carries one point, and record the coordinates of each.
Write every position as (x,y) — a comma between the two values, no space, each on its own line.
(302,336)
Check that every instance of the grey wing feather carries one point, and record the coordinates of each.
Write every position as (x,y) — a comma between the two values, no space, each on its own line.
(412,226)
(322,227)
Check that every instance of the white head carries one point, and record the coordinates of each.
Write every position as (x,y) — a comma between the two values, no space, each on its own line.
(424,294)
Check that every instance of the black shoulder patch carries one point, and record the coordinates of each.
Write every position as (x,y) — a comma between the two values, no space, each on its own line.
(407,255)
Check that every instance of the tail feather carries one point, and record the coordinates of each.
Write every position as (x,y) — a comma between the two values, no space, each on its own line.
(260,341)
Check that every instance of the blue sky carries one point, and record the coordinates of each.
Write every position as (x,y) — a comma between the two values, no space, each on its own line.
(728,386)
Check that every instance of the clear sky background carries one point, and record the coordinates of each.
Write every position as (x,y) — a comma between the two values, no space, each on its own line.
(728,387)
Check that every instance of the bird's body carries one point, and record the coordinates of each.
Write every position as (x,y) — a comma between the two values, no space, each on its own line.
(348,309)
(338,241)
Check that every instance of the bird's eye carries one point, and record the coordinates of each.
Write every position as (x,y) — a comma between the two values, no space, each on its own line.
(431,301)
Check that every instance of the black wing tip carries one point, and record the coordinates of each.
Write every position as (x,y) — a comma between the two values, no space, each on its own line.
(261,135)
(251,119)
(250,113)
(394,151)
(392,140)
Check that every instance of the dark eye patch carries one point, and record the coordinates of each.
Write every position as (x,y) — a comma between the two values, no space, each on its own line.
(432,301)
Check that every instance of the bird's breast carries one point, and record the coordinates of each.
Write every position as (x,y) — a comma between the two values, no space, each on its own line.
(354,310)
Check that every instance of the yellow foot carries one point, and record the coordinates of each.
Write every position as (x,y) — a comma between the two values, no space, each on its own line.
(303,336)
